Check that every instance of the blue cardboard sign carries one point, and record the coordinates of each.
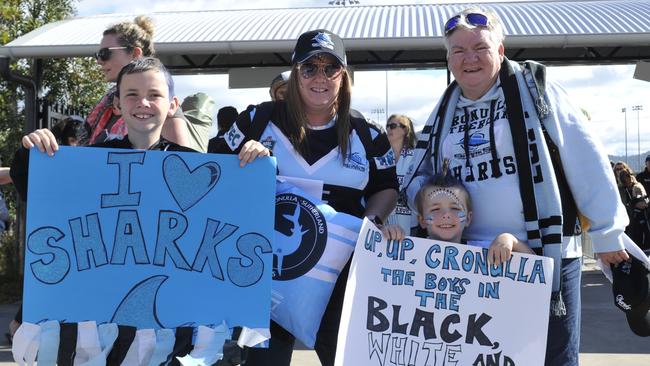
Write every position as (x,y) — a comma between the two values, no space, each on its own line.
(150,239)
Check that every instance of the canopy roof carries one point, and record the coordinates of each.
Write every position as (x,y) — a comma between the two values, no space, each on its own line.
(562,32)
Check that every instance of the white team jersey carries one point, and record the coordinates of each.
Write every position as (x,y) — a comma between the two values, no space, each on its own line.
(329,168)
(402,215)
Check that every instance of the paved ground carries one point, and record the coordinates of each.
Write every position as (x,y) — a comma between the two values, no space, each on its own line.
(606,338)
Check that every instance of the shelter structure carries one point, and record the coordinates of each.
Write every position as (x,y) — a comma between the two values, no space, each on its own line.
(253,45)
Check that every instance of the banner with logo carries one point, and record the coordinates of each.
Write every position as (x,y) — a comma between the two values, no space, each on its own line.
(423,302)
(312,244)
(150,239)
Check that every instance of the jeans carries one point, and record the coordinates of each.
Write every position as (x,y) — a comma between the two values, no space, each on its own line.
(563,341)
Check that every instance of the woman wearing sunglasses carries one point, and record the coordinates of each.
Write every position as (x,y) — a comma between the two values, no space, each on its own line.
(401,136)
(315,135)
(121,44)
(489,126)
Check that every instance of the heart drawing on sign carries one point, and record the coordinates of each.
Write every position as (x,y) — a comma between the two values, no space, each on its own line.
(187,186)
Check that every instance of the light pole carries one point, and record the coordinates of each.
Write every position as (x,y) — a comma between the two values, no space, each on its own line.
(377,111)
(638,109)
(624,110)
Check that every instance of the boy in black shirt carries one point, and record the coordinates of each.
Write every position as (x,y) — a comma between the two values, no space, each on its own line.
(145,96)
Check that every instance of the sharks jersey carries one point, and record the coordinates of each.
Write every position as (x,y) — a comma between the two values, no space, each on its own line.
(369,167)
(483,158)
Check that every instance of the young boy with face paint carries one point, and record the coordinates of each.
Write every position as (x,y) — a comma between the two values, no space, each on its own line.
(445,210)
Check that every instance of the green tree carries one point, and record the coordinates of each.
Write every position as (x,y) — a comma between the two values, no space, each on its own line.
(73,81)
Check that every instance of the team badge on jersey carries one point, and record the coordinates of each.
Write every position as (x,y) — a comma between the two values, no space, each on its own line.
(233,137)
(356,161)
(300,236)
(268,142)
(386,161)
(476,145)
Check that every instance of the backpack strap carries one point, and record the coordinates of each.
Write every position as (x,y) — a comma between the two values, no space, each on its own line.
(361,125)
(263,114)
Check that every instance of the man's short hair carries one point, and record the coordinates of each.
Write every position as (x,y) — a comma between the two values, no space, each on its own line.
(226,116)
(145,64)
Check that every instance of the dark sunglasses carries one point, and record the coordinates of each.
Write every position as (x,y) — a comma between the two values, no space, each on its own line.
(104,54)
(331,71)
(392,126)
(475,19)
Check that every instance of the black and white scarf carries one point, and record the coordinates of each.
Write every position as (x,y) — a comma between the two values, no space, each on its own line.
(538,185)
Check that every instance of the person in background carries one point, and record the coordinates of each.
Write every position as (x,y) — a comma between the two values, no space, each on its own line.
(635,199)
(644,179)
(401,136)
(198,110)
(69,131)
(225,118)
(314,134)
(488,125)
(121,44)
(278,87)
(644,176)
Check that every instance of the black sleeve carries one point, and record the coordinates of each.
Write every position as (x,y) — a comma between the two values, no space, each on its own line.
(244,129)
(383,172)
(19,170)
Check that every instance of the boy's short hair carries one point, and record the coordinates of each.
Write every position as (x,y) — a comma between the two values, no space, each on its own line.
(442,180)
(145,64)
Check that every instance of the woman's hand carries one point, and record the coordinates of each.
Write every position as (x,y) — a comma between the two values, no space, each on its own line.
(251,151)
(43,139)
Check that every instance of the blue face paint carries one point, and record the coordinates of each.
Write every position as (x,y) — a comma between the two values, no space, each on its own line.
(462,216)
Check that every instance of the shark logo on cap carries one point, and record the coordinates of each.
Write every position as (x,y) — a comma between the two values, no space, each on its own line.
(322,40)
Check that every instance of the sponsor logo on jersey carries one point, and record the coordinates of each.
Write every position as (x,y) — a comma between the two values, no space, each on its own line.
(386,161)
(300,236)
(268,142)
(356,161)
(233,137)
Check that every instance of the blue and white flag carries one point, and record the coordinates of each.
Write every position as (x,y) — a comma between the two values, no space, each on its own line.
(312,244)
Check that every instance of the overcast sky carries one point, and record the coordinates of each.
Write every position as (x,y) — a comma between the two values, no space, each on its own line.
(601,90)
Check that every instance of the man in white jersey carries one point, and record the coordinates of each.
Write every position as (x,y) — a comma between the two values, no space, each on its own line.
(528,172)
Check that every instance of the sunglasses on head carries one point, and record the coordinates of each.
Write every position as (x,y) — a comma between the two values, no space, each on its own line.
(392,126)
(104,54)
(475,19)
(331,71)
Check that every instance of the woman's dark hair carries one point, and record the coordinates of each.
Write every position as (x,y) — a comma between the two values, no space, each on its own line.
(70,127)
